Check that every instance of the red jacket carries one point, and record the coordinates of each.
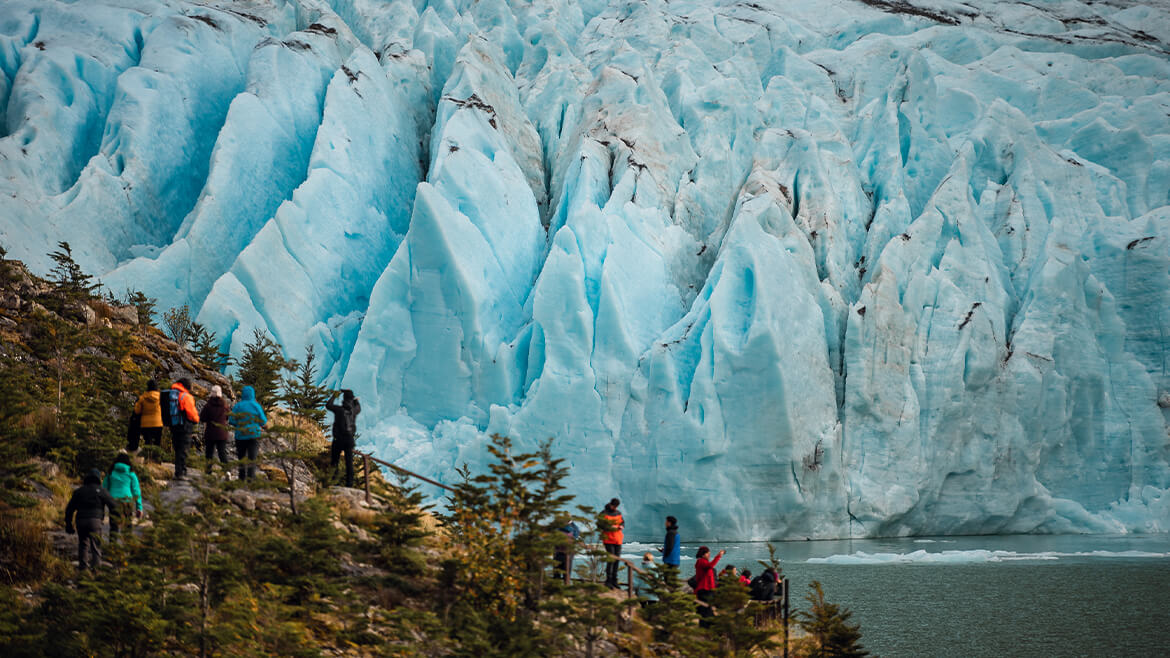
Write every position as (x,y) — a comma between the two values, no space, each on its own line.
(705,571)
(611,526)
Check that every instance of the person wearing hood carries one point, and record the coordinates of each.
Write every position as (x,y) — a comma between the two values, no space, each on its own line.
(89,503)
(344,428)
(122,484)
(248,419)
(181,431)
(149,412)
(214,416)
(671,553)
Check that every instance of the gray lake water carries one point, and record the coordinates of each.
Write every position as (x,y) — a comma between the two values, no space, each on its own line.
(1030,595)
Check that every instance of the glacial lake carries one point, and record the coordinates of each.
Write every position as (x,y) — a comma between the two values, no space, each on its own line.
(1020,595)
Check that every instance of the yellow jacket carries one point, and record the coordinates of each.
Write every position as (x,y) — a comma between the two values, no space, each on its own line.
(148,407)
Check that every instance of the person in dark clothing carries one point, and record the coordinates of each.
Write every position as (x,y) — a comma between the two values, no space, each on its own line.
(671,554)
(181,432)
(89,503)
(765,586)
(563,555)
(611,524)
(344,429)
(214,416)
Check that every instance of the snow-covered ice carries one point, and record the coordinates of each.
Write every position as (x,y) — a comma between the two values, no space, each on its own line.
(780,269)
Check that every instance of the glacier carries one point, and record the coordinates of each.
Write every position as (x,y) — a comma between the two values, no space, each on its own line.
(785,270)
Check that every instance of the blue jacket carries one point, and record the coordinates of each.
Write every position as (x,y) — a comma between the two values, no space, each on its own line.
(670,547)
(247,416)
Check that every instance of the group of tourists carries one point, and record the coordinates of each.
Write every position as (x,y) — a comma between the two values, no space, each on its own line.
(175,409)
(611,525)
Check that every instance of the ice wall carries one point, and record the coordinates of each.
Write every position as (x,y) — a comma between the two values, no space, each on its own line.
(781,269)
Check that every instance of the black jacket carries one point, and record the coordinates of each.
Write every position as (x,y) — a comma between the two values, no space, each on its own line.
(344,418)
(89,501)
(215,416)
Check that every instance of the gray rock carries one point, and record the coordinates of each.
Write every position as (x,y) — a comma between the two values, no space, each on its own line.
(124,314)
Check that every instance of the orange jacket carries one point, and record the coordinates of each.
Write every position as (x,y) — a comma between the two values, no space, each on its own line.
(148,408)
(611,526)
(186,403)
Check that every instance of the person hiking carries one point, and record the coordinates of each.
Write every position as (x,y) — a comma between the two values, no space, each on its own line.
(344,428)
(122,484)
(704,579)
(248,418)
(671,553)
(611,524)
(182,425)
(214,416)
(150,425)
(563,553)
(89,503)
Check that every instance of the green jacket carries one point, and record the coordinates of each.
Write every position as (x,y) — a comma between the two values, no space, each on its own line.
(122,484)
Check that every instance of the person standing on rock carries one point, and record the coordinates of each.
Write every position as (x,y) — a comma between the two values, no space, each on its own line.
(89,503)
(214,416)
(150,418)
(248,418)
(182,422)
(611,524)
(122,484)
(344,429)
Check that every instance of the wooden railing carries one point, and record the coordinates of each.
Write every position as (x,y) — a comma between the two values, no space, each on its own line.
(768,610)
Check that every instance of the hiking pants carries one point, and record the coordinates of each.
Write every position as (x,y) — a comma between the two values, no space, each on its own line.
(151,436)
(611,567)
(181,441)
(342,446)
(89,543)
(124,517)
(215,447)
(249,448)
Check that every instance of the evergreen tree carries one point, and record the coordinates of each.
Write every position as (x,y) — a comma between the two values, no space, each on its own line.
(673,615)
(300,392)
(144,304)
(261,366)
(827,624)
(71,283)
(205,347)
(734,624)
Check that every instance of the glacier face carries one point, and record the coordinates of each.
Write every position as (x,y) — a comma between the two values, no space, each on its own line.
(781,269)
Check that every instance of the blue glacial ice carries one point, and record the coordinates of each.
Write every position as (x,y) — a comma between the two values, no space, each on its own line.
(781,269)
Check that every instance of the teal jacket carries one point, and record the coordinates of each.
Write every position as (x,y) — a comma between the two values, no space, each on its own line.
(122,484)
(247,416)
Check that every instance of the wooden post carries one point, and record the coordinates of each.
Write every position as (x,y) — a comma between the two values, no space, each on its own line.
(366,468)
(629,580)
(784,612)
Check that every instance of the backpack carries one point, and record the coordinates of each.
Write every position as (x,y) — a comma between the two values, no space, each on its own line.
(168,402)
(693,581)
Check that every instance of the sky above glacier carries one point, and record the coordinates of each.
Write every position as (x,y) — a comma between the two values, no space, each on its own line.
(781,269)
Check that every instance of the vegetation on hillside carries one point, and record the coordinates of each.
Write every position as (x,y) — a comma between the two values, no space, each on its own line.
(286,565)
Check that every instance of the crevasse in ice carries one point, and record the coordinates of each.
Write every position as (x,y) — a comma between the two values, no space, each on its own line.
(781,269)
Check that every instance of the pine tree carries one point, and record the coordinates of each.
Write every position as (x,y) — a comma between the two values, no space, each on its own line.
(144,304)
(205,347)
(300,392)
(70,281)
(829,632)
(673,616)
(261,366)
(734,624)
